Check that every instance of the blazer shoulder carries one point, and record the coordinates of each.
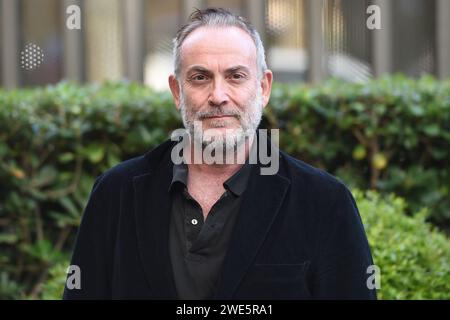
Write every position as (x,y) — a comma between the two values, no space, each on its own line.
(317,181)
(331,198)
(123,173)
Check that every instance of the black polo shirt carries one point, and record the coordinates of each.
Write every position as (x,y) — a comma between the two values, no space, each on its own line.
(198,247)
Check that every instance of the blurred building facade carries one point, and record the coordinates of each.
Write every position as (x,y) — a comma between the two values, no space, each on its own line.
(305,40)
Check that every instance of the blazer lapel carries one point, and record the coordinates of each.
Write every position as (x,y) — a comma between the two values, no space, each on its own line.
(152,214)
(259,208)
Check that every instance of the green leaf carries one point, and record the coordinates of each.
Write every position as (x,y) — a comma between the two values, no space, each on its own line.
(66,157)
(8,238)
(44,177)
(94,152)
(70,207)
(432,130)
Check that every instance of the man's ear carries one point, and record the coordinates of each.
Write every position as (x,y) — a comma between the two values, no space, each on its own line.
(175,89)
(266,86)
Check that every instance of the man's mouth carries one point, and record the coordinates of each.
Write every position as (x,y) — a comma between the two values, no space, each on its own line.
(219,117)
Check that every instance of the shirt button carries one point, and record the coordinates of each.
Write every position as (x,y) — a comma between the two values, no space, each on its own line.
(194,221)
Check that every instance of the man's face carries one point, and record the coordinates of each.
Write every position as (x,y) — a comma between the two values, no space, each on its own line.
(219,84)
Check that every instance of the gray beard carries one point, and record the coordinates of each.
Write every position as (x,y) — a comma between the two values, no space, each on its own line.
(249,121)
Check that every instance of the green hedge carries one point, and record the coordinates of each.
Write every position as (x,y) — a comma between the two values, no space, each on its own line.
(391,134)
(413,257)
(53,142)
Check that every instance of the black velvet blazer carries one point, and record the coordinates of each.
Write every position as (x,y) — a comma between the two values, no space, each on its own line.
(298,235)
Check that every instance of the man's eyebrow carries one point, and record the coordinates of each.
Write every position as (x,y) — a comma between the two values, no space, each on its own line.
(237,68)
(199,69)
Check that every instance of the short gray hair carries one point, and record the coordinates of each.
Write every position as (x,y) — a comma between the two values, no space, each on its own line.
(217,17)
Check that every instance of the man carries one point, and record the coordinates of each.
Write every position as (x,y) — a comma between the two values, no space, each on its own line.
(156,229)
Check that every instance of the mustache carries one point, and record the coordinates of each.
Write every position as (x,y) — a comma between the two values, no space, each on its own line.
(217,113)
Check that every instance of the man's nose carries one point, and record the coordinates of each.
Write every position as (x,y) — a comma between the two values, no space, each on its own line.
(219,94)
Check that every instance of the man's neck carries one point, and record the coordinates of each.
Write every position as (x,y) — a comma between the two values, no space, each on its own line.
(220,171)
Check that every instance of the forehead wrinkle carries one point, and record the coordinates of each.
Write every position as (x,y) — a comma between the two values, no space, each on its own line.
(207,41)
(227,70)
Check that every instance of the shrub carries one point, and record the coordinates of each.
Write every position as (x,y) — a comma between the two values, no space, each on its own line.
(413,257)
(53,142)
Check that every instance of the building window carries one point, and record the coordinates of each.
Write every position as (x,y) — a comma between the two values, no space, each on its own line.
(41,25)
(413,41)
(1,44)
(285,39)
(162,18)
(235,6)
(103,40)
(347,40)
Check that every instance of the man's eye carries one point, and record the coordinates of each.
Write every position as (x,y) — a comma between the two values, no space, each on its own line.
(237,76)
(199,77)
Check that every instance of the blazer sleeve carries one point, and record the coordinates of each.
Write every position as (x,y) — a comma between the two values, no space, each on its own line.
(344,253)
(90,252)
